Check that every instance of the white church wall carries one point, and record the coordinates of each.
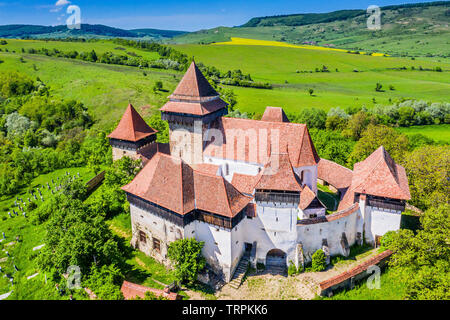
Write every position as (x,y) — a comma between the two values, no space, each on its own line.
(229,167)
(310,176)
(154,227)
(272,228)
(378,221)
(312,235)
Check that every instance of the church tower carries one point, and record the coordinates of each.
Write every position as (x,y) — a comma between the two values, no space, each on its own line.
(192,108)
(132,135)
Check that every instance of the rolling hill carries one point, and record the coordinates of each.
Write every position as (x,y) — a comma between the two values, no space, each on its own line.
(414,30)
(86,31)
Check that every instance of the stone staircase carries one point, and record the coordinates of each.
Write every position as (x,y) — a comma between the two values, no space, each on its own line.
(239,273)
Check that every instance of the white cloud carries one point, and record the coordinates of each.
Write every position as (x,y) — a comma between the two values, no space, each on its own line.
(61,3)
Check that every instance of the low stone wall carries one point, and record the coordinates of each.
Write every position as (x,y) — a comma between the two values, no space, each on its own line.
(348,278)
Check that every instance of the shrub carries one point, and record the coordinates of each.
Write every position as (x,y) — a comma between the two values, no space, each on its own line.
(292,269)
(386,240)
(318,261)
(188,260)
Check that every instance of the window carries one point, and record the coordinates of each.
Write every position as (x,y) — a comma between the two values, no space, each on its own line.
(142,237)
(156,245)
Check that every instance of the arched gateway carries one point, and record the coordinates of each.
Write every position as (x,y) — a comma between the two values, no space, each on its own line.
(276,258)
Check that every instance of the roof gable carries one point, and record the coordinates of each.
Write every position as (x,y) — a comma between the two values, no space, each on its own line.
(274,114)
(279,175)
(131,127)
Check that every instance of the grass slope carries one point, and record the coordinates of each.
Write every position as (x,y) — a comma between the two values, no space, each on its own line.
(105,89)
(411,31)
(278,65)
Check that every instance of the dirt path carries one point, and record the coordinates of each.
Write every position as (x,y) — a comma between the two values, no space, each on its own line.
(277,287)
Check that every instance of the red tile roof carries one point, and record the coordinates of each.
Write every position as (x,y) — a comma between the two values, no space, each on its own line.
(332,217)
(354,271)
(167,182)
(378,175)
(194,95)
(195,108)
(131,127)
(206,168)
(132,290)
(293,138)
(193,85)
(245,183)
(274,114)
(171,183)
(149,151)
(216,195)
(306,197)
(335,174)
(279,175)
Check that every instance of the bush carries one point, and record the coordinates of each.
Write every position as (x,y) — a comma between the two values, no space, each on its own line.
(292,269)
(387,240)
(187,257)
(318,261)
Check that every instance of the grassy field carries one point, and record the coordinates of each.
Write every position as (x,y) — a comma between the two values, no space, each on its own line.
(21,253)
(105,89)
(278,64)
(439,132)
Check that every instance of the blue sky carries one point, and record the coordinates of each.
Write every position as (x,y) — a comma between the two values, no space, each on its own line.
(188,15)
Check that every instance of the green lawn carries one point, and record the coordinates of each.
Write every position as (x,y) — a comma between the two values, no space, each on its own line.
(390,289)
(439,132)
(328,198)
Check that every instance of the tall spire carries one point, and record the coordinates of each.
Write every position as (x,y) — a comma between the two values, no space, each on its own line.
(131,127)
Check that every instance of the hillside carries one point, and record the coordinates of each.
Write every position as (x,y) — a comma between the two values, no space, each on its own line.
(409,30)
(86,31)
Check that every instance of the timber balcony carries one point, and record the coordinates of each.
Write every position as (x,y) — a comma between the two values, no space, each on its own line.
(395,205)
(277,196)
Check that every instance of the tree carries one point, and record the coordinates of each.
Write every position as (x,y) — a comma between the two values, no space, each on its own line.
(158,86)
(421,260)
(428,171)
(378,87)
(312,117)
(357,124)
(310,91)
(406,116)
(395,143)
(105,282)
(187,258)
(332,145)
(318,261)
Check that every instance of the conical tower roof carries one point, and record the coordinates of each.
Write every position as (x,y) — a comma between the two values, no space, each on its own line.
(131,127)
(194,95)
(193,86)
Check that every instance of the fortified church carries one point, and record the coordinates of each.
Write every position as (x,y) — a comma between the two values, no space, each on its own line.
(248,188)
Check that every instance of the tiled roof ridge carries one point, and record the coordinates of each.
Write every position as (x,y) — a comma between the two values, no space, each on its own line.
(130,124)
(337,164)
(370,173)
(390,164)
(354,271)
(328,218)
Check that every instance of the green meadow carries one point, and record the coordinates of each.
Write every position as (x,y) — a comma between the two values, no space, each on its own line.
(105,89)
(439,132)
(345,87)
